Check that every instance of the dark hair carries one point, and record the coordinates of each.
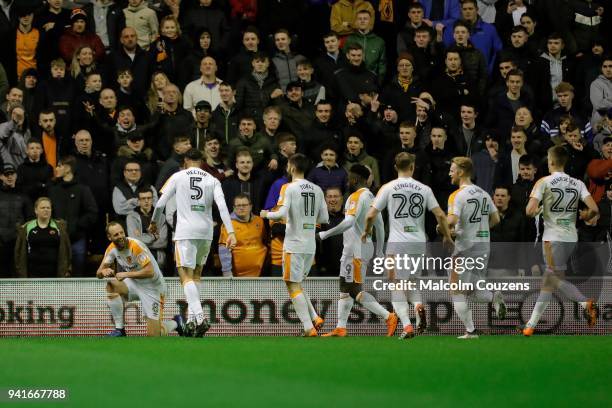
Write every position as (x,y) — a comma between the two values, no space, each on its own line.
(360,171)
(461,23)
(34,140)
(515,72)
(282,31)
(559,154)
(251,29)
(180,138)
(69,161)
(194,155)
(416,6)
(330,34)
(527,160)
(505,57)
(554,36)
(503,186)
(353,46)
(300,162)
(518,28)
(144,189)
(283,137)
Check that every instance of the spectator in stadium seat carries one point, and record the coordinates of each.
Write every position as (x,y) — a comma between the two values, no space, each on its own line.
(520,193)
(27,41)
(75,203)
(241,64)
(416,17)
(247,258)
(203,125)
(50,21)
(450,88)
(43,249)
(600,91)
(551,68)
(383,125)
(155,93)
(53,142)
(580,152)
(78,35)
(507,169)
(519,51)
(402,88)
(472,59)
(125,196)
(328,261)
(142,19)
(15,208)
(57,94)
(313,90)
(34,174)
(322,130)
(130,56)
(439,156)
(328,173)
(469,137)
(428,55)
(285,62)
(244,181)
(106,19)
(226,118)
(14,135)
(256,90)
(173,120)
(203,47)
(565,97)
(272,117)
(87,97)
(483,35)
(354,77)
(170,49)
(599,171)
(260,147)
(206,88)
(135,150)
(126,96)
(286,146)
(374,56)
(14,96)
(407,143)
(296,113)
(485,162)
(327,63)
(356,153)
(215,162)
(503,109)
(139,219)
(509,229)
(175,162)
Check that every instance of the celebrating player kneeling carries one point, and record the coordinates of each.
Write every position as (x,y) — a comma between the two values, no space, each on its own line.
(559,194)
(471,212)
(139,278)
(356,255)
(301,203)
(406,201)
(195,191)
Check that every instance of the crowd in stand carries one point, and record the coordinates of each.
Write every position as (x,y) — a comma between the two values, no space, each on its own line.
(100,99)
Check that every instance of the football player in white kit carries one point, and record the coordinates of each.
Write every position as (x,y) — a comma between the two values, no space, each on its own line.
(195,190)
(356,255)
(302,203)
(134,274)
(471,213)
(559,195)
(406,200)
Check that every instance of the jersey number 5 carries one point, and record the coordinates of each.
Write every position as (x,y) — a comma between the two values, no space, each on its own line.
(309,204)
(194,187)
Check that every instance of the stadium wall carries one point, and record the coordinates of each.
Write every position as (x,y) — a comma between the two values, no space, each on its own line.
(261,307)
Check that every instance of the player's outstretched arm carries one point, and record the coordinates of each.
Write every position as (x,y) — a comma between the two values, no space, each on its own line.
(443,225)
(323,215)
(275,215)
(346,224)
(379,227)
(167,192)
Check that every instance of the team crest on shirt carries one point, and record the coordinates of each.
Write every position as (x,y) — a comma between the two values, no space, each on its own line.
(142,258)
(129,259)
(352,205)
(52,232)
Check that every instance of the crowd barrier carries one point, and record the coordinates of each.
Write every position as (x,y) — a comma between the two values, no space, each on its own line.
(261,307)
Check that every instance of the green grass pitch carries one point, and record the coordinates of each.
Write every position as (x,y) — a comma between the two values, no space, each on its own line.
(381,372)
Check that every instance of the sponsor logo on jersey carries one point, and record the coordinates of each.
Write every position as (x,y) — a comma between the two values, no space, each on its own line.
(410,228)
(482,234)
(308,226)
(198,207)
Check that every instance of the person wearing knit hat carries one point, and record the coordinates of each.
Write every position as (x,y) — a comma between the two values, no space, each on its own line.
(78,36)
(356,153)
(404,86)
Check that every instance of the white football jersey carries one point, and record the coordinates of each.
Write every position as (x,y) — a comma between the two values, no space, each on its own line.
(472,205)
(134,257)
(406,201)
(195,190)
(559,194)
(357,205)
(306,208)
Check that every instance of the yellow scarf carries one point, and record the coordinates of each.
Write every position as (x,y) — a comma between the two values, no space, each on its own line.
(404,83)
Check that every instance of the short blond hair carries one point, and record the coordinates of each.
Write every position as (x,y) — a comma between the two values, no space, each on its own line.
(465,164)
